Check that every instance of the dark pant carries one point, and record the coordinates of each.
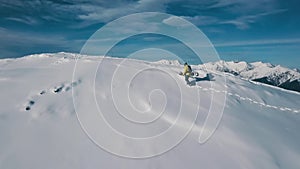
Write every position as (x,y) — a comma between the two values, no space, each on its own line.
(186,78)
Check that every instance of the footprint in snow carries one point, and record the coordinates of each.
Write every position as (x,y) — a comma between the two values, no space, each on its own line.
(30,103)
(64,87)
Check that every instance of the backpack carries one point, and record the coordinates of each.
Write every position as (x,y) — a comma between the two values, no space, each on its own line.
(189,68)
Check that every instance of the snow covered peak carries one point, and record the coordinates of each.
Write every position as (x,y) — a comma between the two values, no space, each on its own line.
(63,55)
(168,62)
(261,64)
(297,70)
(230,66)
(259,71)
(66,56)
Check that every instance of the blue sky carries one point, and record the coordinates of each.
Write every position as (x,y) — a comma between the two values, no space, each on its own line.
(250,30)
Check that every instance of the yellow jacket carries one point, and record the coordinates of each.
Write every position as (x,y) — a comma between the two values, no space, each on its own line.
(186,70)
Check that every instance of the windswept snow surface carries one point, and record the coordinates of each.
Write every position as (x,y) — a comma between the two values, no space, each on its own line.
(39,126)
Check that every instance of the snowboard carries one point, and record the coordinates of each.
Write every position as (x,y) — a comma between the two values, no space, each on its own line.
(193,74)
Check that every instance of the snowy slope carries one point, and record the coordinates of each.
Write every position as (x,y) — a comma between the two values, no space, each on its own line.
(260,72)
(39,126)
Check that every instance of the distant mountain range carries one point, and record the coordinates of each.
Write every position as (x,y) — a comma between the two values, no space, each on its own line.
(267,73)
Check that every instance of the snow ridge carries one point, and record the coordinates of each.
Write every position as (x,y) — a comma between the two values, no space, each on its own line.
(259,126)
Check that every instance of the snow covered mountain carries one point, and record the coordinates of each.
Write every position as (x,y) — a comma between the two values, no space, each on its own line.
(49,119)
(260,72)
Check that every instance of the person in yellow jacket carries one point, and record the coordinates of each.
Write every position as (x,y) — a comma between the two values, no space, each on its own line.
(187,71)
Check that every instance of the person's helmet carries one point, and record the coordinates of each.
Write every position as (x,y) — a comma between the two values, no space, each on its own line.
(185,63)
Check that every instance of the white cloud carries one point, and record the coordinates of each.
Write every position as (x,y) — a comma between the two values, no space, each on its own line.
(12,39)
(152,39)
(239,23)
(136,23)
(106,14)
(244,22)
(202,20)
(86,13)
(245,6)
(258,42)
(26,19)
(245,11)
(175,21)
(101,14)
(2,29)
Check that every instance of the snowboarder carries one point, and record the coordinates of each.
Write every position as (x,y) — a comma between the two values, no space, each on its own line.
(187,71)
